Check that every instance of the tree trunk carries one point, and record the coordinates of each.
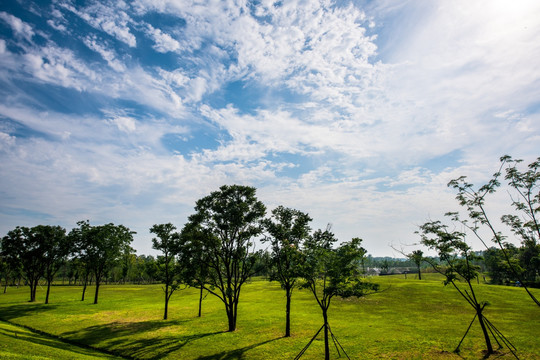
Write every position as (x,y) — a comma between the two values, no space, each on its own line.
(32,296)
(419,273)
(200,301)
(166,301)
(231,317)
(33,288)
(84,287)
(97,291)
(326,344)
(485,331)
(288,313)
(5,285)
(48,291)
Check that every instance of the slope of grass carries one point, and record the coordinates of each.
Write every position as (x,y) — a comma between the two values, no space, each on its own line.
(19,343)
(408,319)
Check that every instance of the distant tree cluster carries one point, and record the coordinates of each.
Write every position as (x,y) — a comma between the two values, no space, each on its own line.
(41,251)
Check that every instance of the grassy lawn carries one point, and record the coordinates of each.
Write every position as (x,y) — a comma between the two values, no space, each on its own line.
(20,343)
(408,319)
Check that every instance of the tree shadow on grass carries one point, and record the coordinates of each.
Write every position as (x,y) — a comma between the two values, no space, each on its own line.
(15,311)
(122,340)
(236,354)
(22,336)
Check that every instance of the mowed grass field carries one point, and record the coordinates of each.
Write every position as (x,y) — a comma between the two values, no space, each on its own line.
(408,319)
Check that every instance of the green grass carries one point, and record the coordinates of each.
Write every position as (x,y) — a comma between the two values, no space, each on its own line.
(19,343)
(408,319)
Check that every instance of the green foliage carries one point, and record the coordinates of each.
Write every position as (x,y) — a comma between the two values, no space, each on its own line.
(334,271)
(101,247)
(287,230)
(37,251)
(525,198)
(223,228)
(458,259)
(330,272)
(170,271)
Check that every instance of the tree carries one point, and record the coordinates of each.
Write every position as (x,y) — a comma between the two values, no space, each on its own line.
(226,221)
(4,268)
(23,249)
(196,257)
(499,271)
(330,272)
(286,232)
(524,223)
(417,256)
(101,247)
(80,238)
(55,247)
(457,257)
(169,243)
(151,268)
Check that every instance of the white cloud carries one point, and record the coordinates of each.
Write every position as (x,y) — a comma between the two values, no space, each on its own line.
(109,17)
(107,54)
(6,141)
(19,27)
(57,66)
(57,26)
(125,124)
(163,41)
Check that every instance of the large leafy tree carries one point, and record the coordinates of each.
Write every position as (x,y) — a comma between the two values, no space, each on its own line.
(80,238)
(330,272)
(195,257)
(23,249)
(457,266)
(287,229)
(101,248)
(169,243)
(4,270)
(56,248)
(224,225)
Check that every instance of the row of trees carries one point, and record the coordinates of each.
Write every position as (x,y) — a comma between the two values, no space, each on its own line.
(214,251)
(41,251)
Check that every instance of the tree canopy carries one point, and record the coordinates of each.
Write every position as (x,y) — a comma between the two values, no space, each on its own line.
(224,226)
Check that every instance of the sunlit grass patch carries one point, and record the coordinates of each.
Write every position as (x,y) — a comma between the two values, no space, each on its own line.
(408,319)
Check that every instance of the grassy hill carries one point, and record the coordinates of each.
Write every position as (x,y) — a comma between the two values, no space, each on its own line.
(408,319)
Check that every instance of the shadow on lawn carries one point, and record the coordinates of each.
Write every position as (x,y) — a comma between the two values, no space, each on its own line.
(122,342)
(236,354)
(14,311)
(21,337)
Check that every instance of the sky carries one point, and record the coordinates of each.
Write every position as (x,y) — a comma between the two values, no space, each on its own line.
(356,112)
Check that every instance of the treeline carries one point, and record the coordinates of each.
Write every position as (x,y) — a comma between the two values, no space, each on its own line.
(214,251)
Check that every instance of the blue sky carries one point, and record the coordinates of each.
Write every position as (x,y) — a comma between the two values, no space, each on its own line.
(358,113)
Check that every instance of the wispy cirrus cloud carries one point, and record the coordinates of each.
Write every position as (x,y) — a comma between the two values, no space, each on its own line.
(109,17)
